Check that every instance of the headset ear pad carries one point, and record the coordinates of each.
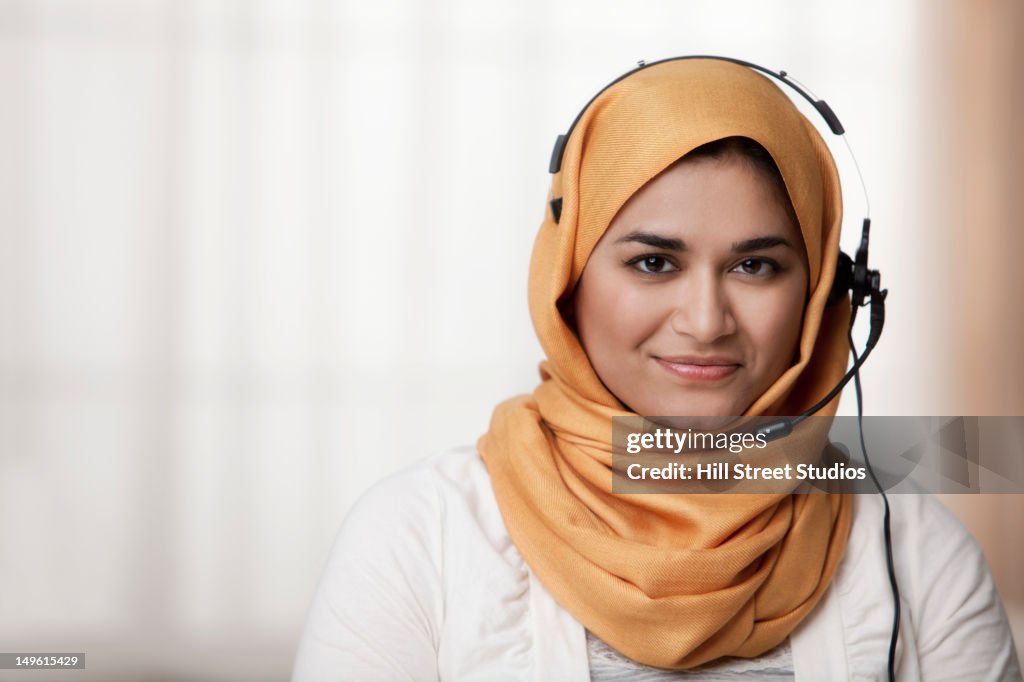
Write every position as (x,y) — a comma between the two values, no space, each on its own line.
(843,281)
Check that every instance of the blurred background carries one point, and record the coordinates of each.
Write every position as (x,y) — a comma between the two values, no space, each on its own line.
(254,256)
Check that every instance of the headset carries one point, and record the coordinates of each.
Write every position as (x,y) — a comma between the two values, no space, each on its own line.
(853,276)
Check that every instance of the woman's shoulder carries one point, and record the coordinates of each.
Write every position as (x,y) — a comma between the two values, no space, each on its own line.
(453,476)
(379,609)
(948,597)
(444,499)
(931,548)
(922,528)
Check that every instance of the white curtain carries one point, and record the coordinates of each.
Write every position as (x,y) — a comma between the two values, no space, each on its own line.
(256,255)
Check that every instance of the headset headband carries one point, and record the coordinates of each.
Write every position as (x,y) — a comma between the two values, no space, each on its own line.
(820,105)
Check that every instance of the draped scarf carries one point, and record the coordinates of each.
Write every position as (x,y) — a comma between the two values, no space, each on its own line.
(670,580)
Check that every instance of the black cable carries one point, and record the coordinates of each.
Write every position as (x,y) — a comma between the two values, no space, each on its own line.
(887,526)
(877,298)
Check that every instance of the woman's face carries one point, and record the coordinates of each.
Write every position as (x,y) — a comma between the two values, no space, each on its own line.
(692,302)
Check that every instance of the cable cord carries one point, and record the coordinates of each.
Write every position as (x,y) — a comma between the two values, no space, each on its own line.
(887,529)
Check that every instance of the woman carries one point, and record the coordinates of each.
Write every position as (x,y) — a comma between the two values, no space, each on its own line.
(683,268)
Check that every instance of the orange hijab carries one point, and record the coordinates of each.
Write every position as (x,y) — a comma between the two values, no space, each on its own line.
(669,580)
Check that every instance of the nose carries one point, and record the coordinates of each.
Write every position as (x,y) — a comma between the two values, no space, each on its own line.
(703,311)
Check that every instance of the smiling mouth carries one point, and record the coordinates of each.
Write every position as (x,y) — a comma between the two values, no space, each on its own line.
(699,369)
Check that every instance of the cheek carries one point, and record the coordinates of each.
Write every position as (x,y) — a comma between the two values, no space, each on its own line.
(773,324)
(616,314)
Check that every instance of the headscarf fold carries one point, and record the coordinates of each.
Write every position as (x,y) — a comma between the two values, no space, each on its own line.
(669,580)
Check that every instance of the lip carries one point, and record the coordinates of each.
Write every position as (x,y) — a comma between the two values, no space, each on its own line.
(699,368)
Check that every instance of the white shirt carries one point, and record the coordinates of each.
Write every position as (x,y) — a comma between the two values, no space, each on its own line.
(608,665)
(424,583)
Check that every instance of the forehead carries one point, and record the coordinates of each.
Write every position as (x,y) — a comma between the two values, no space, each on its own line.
(708,197)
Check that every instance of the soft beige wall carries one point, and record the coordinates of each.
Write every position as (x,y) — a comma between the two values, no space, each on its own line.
(976,148)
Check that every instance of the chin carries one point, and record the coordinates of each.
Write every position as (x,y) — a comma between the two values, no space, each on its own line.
(709,404)
(695,409)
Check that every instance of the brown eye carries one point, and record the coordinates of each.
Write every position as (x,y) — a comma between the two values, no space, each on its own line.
(757,267)
(652,265)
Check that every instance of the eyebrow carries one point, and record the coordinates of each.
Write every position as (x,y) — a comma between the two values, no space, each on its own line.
(670,244)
